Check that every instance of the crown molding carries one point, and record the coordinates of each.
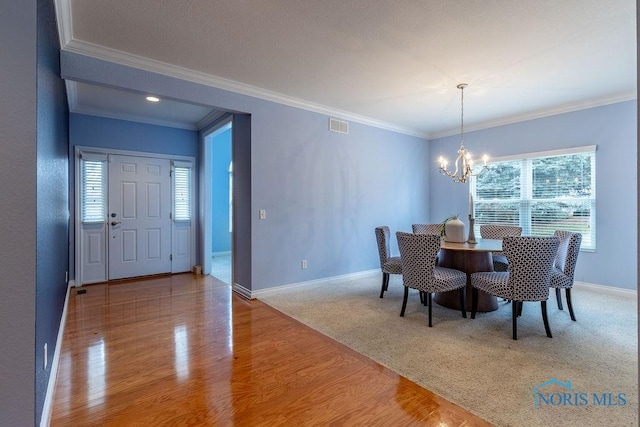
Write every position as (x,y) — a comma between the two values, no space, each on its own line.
(547,112)
(151,65)
(68,43)
(64,18)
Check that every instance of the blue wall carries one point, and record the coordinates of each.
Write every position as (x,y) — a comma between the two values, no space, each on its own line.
(613,129)
(324,192)
(92,131)
(221,156)
(52,232)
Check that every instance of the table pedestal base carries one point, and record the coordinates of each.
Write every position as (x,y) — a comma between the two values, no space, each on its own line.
(469,262)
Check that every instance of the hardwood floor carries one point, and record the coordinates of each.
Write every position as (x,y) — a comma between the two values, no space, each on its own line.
(184,350)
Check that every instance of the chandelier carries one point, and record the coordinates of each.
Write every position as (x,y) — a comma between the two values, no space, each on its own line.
(464,161)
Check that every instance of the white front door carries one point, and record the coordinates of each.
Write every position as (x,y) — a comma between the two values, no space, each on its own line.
(139,216)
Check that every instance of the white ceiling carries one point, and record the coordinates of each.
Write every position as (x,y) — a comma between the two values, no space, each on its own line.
(391,63)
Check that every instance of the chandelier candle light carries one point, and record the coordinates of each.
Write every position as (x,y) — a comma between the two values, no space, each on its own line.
(464,156)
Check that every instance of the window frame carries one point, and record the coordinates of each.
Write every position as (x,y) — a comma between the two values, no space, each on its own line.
(526,199)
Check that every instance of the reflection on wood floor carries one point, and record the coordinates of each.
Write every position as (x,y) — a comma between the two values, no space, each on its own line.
(185,350)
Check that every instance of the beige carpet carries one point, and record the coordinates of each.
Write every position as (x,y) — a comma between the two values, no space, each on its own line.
(475,363)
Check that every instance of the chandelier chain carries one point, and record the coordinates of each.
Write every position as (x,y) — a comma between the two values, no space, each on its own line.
(462,115)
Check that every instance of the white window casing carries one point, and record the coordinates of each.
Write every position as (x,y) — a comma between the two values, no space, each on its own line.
(540,192)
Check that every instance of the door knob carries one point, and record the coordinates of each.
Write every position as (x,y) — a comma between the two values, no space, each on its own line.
(115,222)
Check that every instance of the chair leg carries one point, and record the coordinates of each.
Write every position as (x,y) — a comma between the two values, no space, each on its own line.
(385,278)
(428,297)
(421,297)
(474,302)
(514,319)
(568,294)
(520,304)
(559,298)
(463,302)
(543,306)
(404,301)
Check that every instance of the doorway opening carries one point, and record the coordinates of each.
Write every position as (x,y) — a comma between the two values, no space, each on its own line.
(218,202)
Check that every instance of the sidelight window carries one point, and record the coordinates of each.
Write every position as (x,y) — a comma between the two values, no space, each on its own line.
(93,195)
(182,193)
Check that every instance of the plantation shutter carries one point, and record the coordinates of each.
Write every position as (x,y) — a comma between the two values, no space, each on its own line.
(182,191)
(93,184)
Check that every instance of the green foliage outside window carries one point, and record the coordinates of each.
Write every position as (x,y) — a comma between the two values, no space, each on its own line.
(540,194)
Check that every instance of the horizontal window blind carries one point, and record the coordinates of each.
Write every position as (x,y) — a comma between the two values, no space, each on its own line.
(93,197)
(182,193)
(497,199)
(540,194)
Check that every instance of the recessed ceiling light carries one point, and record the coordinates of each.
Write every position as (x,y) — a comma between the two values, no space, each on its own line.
(152,99)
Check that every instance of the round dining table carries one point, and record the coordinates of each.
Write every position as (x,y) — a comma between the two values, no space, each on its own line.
(470,258)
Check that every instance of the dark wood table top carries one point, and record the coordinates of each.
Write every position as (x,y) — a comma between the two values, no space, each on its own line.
(483,245)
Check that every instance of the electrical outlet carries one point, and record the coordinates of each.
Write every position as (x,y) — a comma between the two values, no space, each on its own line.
(304,264)
(262,214)
(45,356)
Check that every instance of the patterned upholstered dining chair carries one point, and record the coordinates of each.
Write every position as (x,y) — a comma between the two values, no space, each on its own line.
(528,279)
(388,264)
(435,229)
(419,271)
(564,266)
(427,229)
(497,231)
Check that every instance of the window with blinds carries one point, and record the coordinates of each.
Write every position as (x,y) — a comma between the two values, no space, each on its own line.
(93,196)
(182,193)
(541,193)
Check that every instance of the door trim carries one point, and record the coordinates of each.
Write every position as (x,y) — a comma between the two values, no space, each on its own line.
(77,224)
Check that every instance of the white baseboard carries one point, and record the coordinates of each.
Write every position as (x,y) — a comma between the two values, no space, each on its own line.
(242,291)
(628,293)
(257,294)
(47,409)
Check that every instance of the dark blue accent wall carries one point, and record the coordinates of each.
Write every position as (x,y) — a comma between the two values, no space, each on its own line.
(132,136)
(101,132)
(221,157)
(52,212)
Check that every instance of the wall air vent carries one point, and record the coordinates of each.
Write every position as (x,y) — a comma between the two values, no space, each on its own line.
(336,125)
